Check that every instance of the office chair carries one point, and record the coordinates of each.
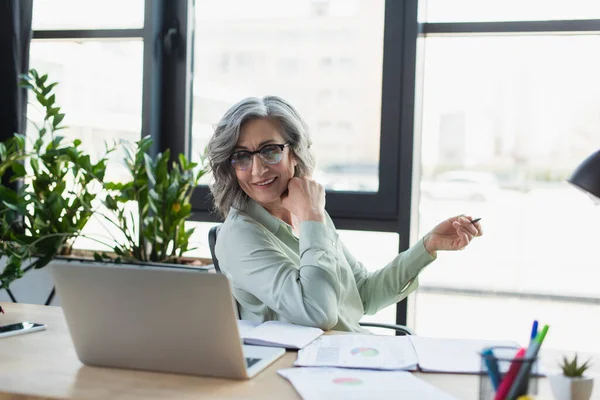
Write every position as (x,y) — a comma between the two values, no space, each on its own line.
(212,241)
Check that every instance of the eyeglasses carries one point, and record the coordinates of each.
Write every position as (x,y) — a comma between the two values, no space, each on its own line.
(270,154)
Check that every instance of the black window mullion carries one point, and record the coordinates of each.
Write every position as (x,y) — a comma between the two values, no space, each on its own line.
(175,99)
(152,72)
(586,26)
(88,34)
(407,47)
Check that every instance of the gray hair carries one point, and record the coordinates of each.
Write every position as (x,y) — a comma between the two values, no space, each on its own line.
(225,190)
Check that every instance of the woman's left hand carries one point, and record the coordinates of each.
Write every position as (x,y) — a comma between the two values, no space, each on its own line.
(453,234)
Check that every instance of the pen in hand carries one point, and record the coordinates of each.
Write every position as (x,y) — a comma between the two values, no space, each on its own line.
(475,220)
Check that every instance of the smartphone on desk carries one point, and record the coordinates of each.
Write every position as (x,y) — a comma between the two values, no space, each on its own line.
(20,328)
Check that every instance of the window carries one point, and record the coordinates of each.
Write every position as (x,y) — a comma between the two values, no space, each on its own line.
(361,245)
(505,120)
(97,57)
(507,10)
(75,14)
(255,60)
(99,90)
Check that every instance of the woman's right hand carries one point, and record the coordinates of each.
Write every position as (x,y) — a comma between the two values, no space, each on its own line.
(305,198)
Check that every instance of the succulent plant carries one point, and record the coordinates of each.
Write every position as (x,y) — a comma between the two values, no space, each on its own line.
(572,368)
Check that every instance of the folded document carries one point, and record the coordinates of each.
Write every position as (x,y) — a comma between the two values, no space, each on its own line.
(277,334)
(408,353)
(344,384)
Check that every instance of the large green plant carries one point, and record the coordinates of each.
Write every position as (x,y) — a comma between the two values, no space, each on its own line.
(162,190)
(53,199)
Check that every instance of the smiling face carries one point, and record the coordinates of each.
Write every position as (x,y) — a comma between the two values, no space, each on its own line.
(262,182)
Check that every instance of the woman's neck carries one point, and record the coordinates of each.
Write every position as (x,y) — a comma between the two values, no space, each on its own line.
(278,211)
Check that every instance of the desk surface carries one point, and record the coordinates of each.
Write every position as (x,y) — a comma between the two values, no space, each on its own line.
(43,365)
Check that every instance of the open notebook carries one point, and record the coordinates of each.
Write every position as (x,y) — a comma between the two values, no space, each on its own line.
(277,334)
(410,353)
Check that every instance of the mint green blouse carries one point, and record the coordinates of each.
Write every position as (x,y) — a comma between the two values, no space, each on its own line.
(312,280)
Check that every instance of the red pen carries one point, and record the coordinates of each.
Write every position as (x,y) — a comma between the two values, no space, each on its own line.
(1,310)
(508,379)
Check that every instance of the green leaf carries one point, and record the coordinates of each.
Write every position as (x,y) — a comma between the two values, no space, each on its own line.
(41,99)
(162,163)
(110,203)
(57,119)
(18,170)
(149,169)
(20,140)
(49,88)
(183,161)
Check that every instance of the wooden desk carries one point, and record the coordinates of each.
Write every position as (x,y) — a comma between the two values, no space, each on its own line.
(43,365)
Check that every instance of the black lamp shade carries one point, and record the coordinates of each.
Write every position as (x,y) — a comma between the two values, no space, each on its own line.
(587,175)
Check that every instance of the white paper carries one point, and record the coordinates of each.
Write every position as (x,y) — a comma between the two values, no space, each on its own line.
(345,384)
(359,351)
(452,355)
(277,334)
(245,327)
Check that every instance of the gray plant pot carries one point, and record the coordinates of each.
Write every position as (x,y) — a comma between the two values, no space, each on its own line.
(567,388)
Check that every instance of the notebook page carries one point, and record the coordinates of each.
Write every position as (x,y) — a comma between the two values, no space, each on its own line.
(359,351)
(282,334)
(452,355)
(356,384)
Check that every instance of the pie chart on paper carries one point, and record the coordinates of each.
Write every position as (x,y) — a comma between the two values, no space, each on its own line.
(365,351)
(347,381)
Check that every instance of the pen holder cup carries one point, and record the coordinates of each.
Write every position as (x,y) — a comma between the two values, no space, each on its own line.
(498,363)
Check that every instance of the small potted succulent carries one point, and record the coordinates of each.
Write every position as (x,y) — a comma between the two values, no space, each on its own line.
(572,384)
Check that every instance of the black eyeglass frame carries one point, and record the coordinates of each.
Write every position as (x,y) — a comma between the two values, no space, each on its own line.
(281,146)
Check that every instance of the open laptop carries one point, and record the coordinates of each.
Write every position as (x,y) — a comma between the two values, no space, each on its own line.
(169,319)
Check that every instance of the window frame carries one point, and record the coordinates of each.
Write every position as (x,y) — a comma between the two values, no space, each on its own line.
(380,211)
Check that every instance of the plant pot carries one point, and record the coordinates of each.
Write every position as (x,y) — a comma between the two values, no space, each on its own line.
(37,284)
(567,388)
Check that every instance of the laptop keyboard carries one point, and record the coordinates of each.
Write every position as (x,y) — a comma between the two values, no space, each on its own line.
(251,361)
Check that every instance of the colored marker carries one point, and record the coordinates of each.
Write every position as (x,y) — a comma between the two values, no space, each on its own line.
(534,331)
(519,385)
(492,367)
(510,376)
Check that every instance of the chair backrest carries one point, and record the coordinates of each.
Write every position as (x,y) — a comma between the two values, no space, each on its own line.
(212,241)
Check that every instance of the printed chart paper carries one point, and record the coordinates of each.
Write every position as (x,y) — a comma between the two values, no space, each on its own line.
(353,384)
(360,351)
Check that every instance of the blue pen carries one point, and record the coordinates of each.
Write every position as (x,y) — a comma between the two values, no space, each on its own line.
(534,330)
(492,367)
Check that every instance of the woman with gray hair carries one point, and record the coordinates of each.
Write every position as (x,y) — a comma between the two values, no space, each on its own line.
(278,245)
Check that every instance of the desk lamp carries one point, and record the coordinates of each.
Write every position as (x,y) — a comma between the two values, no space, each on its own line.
(587,176)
